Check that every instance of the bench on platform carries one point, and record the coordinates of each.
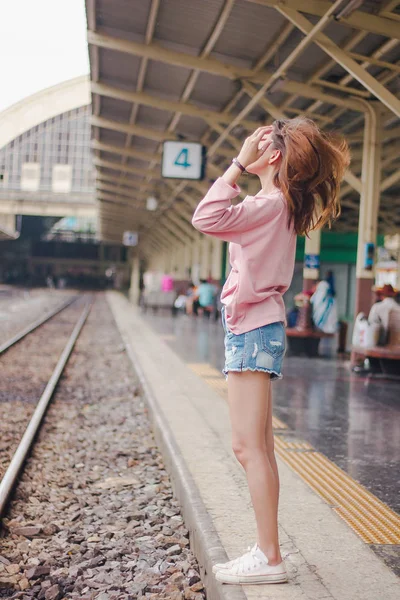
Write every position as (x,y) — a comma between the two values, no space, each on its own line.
(157,300)
(305,340)
(387,357)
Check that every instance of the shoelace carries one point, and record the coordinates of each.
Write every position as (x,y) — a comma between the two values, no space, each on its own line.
(232,562)
(247,562)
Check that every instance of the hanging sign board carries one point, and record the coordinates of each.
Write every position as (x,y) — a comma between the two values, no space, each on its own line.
(183,160)
(130,238)
(369,255)
(311,261)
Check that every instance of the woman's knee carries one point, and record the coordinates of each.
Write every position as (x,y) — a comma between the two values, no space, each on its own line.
(246,452)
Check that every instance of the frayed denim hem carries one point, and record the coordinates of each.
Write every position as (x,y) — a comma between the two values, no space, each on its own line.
(275,376)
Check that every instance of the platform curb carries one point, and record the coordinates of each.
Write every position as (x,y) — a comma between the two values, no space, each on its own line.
(204,539)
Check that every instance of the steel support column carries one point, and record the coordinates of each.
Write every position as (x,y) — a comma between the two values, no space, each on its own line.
(216,257)
(369,206)
(205,269)
(196,260)
(187,258)
(134,290)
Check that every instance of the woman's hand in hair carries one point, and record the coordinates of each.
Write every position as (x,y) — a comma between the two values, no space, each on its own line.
(252,148)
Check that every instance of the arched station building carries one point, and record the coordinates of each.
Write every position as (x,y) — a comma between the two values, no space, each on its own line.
(47,186)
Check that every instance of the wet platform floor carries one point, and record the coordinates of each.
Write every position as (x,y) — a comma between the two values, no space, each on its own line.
(353,421)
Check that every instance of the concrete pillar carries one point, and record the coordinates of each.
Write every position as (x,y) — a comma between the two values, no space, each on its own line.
(180,261)
(172,260)
(369,207)
(205,269)
(196,258)
(167,257)
(162,262)
(187,260)
(135,278)
(216,258)
(311,259)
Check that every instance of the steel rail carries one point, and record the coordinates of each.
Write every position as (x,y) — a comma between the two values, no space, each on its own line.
(10,476)
(29,328)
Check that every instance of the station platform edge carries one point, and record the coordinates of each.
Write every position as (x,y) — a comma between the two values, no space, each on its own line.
(325,558)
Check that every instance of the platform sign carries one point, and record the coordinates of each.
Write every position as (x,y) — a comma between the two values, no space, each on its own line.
(183,160)
(369,256)
(130,238)
(311,261)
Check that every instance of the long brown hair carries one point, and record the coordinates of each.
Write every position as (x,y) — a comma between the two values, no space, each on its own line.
(310,171)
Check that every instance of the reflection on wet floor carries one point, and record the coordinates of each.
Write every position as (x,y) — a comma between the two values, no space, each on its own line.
(353,421)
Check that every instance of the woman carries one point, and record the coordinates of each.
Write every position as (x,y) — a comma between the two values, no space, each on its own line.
(300,170)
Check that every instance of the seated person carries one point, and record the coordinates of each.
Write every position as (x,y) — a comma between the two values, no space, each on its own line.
(206,294)
(379,312)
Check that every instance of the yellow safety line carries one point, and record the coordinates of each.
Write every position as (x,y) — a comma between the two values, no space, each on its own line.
(205,370)
(372,520)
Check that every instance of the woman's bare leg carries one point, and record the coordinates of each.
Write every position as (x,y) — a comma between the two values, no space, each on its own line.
(249,399)
(269,440)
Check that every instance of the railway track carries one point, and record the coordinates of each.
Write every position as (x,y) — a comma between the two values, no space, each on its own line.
(4,346)
(31,364)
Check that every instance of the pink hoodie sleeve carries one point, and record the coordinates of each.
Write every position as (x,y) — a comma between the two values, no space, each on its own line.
(216,216)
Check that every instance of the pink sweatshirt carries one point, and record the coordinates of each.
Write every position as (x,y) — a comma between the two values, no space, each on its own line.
(261,252)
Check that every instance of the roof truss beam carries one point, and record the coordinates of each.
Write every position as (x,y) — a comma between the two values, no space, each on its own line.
(116,166)
(125,184)
(147,133)
(390,180)
(375,61)
(209,116)
(340,56)
(128,152)
(110,192)
(357,20)
(207,65)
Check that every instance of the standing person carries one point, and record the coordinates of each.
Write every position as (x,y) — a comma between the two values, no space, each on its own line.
(300,170)
(324,307)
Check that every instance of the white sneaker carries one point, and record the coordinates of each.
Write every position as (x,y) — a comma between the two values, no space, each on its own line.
(252,568)
(228,564)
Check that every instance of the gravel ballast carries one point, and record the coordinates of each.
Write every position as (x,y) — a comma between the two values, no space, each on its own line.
(94,516)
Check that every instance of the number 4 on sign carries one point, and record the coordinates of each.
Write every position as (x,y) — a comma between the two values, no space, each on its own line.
(182,160)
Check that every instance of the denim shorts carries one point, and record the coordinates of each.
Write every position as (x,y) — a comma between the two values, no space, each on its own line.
(261,349)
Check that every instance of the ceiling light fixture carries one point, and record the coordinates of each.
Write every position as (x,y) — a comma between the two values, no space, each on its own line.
(151,203)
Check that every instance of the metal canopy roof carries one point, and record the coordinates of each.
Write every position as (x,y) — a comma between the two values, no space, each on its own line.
(208,71)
